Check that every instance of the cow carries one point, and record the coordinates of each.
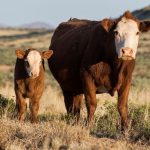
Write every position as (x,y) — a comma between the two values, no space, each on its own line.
(29,80)
(94,57)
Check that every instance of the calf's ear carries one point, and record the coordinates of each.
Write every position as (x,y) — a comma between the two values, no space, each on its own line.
(144,26)
(20,53)
(47,54)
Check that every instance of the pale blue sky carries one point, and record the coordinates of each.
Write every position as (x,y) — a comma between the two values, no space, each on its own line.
(17,12)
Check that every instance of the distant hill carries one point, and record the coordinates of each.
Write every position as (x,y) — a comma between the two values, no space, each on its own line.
(142,14)
(34,25)
(4,26)
(37,25)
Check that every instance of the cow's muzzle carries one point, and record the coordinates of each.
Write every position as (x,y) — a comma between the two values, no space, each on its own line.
(33,75)
(127,58)
(127,53)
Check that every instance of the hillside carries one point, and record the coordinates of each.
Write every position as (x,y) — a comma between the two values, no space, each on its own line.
(37,25)
(143,14)
(33,25)
(3,25)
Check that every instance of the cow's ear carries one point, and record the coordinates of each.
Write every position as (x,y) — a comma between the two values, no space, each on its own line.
(128,14)
(47,54)
(20,53)
(108,24)
(144,26)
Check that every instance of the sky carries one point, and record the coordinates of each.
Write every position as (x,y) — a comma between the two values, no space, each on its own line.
(18,12)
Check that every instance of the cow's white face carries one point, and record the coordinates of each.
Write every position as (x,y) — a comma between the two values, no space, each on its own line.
(126,38)
(33,62)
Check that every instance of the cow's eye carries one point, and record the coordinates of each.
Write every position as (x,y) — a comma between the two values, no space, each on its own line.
(137,33)
(26,63)
(116,33)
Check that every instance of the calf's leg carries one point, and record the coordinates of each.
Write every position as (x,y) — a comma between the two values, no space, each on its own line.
(21,106)
(34,107)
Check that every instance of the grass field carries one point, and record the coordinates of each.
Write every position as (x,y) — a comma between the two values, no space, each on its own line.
(53,131)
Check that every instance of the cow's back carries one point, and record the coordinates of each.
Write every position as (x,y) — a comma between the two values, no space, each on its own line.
(69,42)
(71,25)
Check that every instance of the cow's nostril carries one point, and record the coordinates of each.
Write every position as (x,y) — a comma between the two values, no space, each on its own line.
(127,51)
(131,51)
(123,51)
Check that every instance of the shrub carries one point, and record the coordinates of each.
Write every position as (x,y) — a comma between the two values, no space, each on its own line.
(108,125)
(7,106)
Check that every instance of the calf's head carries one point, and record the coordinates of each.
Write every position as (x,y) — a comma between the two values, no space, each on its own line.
(33,60)
(127,32)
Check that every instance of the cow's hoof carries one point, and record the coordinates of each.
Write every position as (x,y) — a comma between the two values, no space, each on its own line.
(34,121)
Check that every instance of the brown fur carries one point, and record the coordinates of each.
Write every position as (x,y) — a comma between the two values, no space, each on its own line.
(27,87)
(85,62)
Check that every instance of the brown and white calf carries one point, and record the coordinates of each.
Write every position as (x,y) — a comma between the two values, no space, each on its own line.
(29,80)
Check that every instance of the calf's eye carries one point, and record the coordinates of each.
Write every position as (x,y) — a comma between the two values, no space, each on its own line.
(26,63)
(137,33)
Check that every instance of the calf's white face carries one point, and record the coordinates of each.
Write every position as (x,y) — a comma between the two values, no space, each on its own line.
(126,38)
(33,60)
(33,63)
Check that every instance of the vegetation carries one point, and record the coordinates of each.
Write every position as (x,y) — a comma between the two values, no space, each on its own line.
(143,13)
(54,132)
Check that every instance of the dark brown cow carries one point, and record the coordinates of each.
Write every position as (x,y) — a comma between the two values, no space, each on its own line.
(95,57)
(29,80)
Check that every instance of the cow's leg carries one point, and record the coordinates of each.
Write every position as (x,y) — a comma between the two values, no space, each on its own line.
(123,93)
(90,96)
(21,106)
(73,103)
(68,99)
(77,100)
(34,107)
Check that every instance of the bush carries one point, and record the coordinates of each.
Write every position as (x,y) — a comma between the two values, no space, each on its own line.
(7,106)
(140,122)
(108,125)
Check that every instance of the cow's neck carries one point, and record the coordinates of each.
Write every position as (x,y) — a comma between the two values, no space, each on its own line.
(121,73)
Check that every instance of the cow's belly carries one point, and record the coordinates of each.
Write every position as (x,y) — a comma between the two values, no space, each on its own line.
(69,80)
(101,89)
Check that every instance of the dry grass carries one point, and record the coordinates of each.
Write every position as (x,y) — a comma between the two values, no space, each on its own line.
(37,42)
(57,135)
(8,32)
(25,38)
(52,101)
(54,132)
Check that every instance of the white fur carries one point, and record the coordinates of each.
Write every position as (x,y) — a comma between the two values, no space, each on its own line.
(127,37)
(34,59)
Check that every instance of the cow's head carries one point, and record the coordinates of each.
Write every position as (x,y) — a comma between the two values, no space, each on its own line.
(126,32)
(33,60)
